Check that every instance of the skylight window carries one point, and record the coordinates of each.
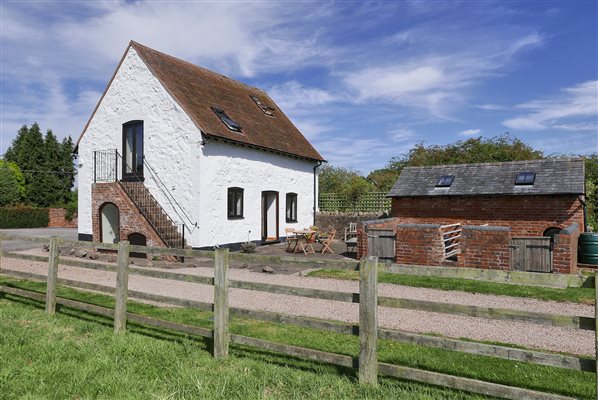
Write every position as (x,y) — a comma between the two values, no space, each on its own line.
(525,178)
(228,121)
(265,108)
(445,181)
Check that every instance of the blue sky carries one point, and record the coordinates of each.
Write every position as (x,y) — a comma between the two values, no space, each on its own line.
(364,81)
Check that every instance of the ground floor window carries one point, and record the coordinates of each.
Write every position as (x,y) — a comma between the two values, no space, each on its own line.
(291,207)
(235,202)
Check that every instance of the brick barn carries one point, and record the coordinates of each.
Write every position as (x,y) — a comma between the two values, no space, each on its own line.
(524,215)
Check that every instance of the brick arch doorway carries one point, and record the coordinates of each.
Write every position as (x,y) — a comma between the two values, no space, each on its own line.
(138,239)
(109,223)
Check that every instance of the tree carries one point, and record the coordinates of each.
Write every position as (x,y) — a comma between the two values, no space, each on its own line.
(591,164)
(47,165)
(475,150)
(12,184)
(383,179)
(337,179)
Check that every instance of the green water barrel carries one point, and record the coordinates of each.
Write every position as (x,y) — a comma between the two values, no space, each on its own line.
(588,248)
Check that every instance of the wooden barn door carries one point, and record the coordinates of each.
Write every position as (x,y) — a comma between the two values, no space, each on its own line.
(381,243)
(532,254)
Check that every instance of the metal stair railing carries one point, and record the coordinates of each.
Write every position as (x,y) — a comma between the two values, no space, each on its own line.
(106,169)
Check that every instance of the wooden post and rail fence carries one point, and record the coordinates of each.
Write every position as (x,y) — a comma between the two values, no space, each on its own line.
(368,366)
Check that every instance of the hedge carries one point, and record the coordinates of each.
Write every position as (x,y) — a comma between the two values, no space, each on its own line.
(24,217)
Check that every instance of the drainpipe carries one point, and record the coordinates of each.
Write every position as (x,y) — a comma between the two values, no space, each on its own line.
(585,217)
(316,189)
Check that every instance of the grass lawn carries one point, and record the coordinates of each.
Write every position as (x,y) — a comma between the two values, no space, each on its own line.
(576,295)
(76,355)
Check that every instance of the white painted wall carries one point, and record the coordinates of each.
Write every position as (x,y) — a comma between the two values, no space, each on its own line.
(225,165)
(197,175)
(171,139)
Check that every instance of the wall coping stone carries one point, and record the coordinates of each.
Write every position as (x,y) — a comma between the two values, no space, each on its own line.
(571,229)
(365,224)
(420,226)
(486,228)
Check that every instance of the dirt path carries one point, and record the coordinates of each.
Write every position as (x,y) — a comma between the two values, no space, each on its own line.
(519,333)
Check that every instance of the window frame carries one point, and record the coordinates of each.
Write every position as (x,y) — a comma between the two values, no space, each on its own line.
(230,123)
(445,181)
(291,201)
(265,108)
(525,181)
(237,193)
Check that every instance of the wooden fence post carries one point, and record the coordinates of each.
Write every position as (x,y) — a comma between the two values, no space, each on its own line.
(596,327)
(1,254)
(122,285)
(368,320)
(221,313)
(52,276)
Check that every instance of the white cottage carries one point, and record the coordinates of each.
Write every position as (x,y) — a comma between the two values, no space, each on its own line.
(174,153)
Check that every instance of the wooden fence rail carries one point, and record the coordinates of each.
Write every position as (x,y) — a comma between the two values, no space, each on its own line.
(577,322)
(367,329)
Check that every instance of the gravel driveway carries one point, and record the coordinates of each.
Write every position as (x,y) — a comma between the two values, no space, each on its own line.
(520,333)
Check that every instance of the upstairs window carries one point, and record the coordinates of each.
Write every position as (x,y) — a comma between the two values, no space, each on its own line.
(445,181)
(525,178)
(228,121)
(266,109)
(291,207)
(235,203)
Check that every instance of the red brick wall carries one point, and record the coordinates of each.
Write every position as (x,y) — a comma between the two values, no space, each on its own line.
(58,219)
(485,247)
(564,251)
(525,215)
(419,244)
(130,220)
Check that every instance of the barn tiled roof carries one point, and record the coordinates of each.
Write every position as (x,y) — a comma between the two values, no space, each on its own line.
(199,91)
(553,176)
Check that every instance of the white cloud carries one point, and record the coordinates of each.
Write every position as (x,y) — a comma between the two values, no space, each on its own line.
(402,134)
(470,132)
(292,96)
(54,66)
(491,107)
(440,80)
(578,103)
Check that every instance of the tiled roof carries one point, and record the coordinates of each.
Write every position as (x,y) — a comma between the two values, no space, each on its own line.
(198,91)
(553,176)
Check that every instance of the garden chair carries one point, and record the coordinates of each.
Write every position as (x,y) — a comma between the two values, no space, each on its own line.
(292,238)
(327,241)
(350,231)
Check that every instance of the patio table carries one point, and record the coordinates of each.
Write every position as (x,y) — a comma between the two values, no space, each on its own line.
(302,236)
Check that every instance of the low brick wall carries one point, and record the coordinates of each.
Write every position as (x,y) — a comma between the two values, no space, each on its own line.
(328,220)
(564,251)
(419,244)
(485,247)
(57,219)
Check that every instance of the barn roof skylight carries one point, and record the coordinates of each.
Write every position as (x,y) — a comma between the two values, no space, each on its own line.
(525,178)
(445,181)
(228,121)
(265,108)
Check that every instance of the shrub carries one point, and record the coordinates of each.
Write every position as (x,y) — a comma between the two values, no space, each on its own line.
(23,217)
(248,247)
